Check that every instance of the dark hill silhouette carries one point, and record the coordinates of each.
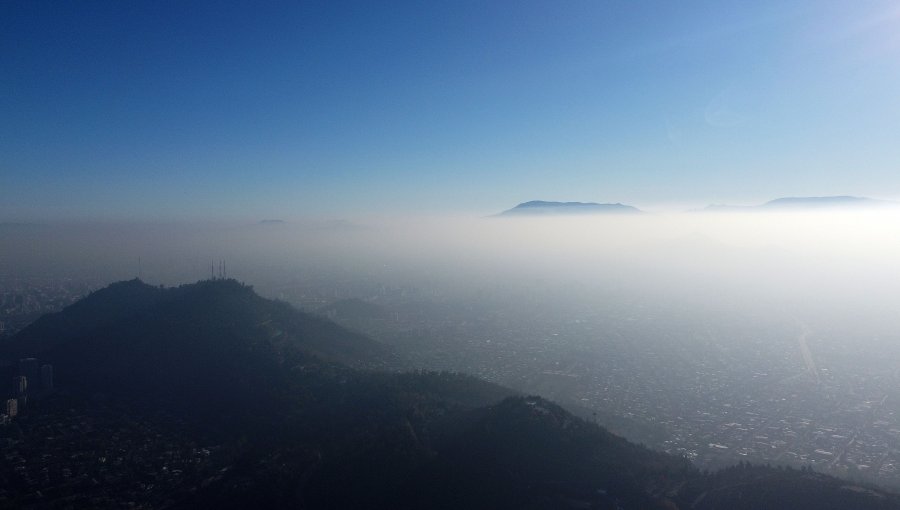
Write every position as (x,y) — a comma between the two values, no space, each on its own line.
(135,310)
(538,455)
(214,342)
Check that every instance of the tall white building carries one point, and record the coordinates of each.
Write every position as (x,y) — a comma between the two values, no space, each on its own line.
(12,407)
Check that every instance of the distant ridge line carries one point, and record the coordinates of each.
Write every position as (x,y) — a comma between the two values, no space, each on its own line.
(800,203)
(548,208)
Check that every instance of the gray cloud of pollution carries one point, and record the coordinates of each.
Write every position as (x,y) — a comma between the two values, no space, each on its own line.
(831,256)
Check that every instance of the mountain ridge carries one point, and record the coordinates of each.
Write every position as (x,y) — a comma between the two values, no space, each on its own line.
(803,203)
(547,208)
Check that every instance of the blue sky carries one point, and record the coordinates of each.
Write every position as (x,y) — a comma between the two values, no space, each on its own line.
(129,110)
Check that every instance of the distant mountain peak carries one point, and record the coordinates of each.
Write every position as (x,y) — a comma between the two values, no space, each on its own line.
(547,208)
(842,200)
(802,203)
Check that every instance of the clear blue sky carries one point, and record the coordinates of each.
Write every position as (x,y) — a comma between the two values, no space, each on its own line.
(264,109)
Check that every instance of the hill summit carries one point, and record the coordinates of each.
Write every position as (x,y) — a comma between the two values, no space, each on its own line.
(213,342)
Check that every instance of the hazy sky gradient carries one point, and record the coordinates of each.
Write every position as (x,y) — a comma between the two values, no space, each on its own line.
(153,110)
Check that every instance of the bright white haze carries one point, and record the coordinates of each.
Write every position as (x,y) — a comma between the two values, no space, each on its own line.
(810,262)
